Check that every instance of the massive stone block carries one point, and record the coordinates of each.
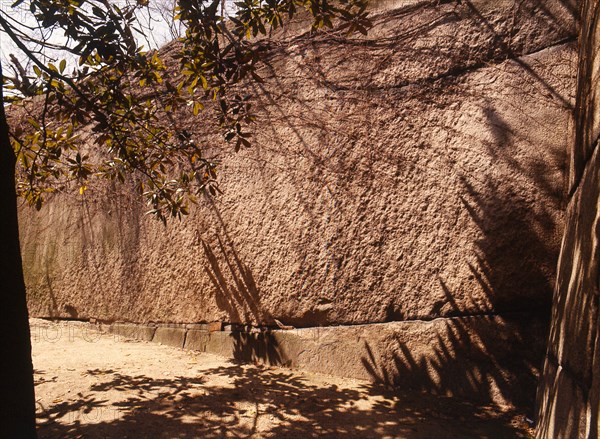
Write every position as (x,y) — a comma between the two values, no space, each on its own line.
(414,173)
(170,336)
(128,330)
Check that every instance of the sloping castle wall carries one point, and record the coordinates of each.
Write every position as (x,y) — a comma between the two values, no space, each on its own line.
(410,175)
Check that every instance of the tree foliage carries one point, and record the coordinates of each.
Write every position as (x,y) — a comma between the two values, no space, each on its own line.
(100,76)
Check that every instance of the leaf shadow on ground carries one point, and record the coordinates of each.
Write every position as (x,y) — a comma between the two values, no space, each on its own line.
(263,402)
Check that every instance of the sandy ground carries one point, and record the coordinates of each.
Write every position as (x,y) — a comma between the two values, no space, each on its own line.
(94,385)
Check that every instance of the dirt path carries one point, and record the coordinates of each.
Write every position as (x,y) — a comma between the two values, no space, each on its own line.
(93,385)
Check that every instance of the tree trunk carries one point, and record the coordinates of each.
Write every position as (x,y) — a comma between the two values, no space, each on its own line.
(17,400)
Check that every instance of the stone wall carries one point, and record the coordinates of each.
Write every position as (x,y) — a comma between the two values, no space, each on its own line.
(488,359)
(569,392)
(411,175)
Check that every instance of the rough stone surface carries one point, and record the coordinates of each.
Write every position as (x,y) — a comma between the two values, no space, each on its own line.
(221,343)
(573,331)
(215,326)
(564,406)
(394,184)
(587,111)
(448,356)
(197,326)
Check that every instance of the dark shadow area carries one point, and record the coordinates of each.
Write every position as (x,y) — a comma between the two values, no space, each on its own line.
(141,383)
(259,348)
(268,404)
(512,236)
(479,358)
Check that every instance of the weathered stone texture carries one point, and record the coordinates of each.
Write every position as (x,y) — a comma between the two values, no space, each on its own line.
(573,330)
(392,177)
(196,339)
(587,111)
(412,174)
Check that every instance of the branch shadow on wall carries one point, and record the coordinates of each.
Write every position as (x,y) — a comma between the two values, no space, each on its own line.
(512,270)
(491,347)
(479,358)
(466,359)
(234,285)
(236,292)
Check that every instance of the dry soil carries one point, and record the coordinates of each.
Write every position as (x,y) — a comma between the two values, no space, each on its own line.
(95,385)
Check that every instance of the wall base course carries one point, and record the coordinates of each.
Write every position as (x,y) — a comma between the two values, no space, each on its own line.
(170,336)
(463,356)
(129,330)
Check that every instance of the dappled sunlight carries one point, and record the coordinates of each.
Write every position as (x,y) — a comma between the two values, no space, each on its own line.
(115,388)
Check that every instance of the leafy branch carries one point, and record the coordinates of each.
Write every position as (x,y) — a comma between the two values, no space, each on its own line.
(130,100)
